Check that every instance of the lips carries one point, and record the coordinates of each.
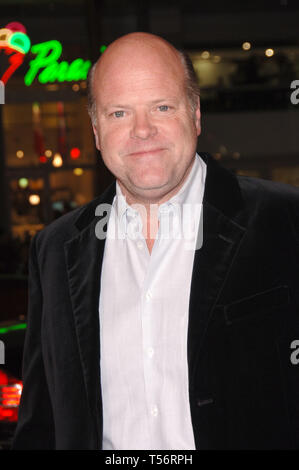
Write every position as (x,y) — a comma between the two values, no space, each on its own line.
(145,152)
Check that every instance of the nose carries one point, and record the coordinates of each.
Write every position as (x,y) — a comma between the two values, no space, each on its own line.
(143,126)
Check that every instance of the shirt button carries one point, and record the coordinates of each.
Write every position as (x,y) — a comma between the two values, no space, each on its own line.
(140,244)
(154,410)
(150,352)
(148,295)
(131,213)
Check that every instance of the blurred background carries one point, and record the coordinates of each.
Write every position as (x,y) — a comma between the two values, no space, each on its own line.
(246,56)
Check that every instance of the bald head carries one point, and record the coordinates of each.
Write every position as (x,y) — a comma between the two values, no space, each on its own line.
(137,51)
(140,43)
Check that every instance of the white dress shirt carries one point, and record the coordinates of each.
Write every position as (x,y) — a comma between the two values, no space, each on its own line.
(143,310)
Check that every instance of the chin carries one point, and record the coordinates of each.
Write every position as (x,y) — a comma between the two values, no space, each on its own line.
(150,184)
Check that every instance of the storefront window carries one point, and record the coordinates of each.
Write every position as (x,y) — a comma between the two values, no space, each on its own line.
(288,175)
(37,132)
(244,79)
(27,204)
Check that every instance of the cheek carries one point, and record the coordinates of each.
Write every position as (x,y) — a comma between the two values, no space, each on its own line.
(111,145)
(183,132)
(111,139)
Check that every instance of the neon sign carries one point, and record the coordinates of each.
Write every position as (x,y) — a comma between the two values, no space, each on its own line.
(15,43)
(49,70)
(45,66)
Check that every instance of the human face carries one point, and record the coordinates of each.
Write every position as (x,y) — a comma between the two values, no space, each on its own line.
(145,129)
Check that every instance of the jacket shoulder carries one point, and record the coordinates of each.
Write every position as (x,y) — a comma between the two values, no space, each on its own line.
(270,190)
(270,200)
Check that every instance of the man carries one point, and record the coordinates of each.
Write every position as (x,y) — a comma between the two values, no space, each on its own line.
(143,335)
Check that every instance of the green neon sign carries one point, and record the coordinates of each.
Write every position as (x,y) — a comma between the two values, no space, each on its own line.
(47,69)
(7,329)
(45,66)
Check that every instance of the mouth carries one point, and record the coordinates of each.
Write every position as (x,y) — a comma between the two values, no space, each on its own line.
(141,153)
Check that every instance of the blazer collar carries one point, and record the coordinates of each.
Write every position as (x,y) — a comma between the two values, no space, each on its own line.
(222,190)
(87,216)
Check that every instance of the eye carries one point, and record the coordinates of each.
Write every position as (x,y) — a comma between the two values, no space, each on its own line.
(118,114)
(163,107)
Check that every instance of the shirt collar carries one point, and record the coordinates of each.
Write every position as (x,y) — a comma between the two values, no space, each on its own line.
(193,188)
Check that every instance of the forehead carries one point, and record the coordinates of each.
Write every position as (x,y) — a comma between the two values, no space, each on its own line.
(136,74)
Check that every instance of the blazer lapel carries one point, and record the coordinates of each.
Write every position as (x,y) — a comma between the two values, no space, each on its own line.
(84,255)
(212,262)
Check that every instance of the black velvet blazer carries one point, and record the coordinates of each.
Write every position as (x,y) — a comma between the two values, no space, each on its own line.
(243,319)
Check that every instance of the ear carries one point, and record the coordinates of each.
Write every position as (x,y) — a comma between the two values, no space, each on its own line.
(96,135)
(197,118)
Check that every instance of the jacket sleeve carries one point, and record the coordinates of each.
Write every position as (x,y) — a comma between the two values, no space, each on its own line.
(35,428)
